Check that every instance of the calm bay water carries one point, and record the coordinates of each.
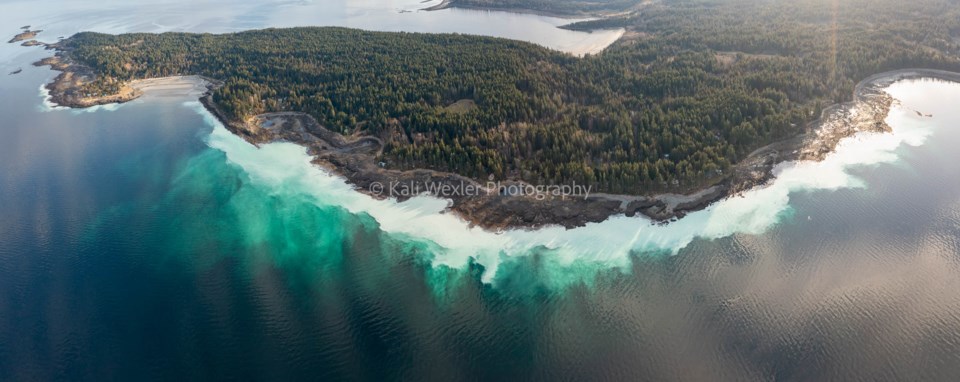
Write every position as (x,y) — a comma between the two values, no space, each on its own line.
(146,243)
(64,18)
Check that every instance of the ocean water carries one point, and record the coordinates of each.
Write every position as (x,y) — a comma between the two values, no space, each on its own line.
(145,242)
(64,18)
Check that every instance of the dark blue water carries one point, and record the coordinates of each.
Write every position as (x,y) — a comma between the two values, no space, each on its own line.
(132,247)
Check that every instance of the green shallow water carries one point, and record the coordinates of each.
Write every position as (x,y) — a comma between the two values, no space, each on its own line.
(141,243)
(214,207)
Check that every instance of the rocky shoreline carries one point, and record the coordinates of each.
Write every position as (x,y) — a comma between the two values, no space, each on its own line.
(489,205)
(24,36)
(354,157)
(66,89)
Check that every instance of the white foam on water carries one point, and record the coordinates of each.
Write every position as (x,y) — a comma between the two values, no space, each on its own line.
(47,105)
(287,168)
(93,109)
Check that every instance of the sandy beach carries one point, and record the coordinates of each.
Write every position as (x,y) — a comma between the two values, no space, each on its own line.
(175,86)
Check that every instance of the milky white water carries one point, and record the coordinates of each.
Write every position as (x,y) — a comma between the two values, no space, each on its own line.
(143,244)
(286,168)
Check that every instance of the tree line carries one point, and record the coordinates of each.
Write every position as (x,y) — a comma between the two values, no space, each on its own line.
(693,87)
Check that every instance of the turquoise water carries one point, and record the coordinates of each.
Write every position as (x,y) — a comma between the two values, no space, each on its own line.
(287,169)
(144,242)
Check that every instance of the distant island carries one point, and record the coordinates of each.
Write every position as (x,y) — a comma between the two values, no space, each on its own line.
(24,36)
(698,101)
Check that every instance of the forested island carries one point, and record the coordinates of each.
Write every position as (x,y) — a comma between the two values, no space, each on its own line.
(679,105)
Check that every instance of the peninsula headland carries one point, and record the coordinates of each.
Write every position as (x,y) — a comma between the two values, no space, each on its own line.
(663,123)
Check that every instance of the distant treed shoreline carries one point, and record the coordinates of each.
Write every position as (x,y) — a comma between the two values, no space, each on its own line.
(691,89)
(548,7)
